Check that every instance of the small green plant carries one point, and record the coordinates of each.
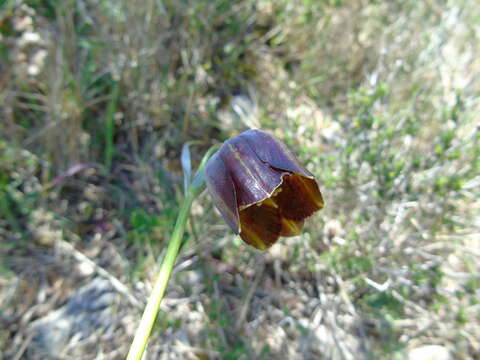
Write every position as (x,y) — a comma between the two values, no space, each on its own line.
(252,179)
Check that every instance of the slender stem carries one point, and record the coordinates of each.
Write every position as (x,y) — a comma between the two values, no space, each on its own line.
(150,313)
(110,125)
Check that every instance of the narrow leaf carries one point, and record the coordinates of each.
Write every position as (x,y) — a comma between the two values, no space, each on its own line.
(186,166)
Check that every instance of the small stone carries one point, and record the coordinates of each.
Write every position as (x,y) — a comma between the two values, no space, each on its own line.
(85,269)
(429,352)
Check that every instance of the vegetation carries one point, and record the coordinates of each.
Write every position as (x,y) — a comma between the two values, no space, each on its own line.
(379,98)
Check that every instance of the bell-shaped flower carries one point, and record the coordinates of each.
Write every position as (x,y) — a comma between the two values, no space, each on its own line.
(261,189)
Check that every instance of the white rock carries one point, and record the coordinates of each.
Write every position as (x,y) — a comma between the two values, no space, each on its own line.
(429,352)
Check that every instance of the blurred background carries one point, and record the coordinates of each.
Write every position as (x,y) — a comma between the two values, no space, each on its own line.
(380,100)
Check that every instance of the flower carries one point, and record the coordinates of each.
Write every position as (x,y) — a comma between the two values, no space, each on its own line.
(261,189)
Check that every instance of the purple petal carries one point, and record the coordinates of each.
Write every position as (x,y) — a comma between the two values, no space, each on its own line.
(220,186)
(273,152)
(254,180)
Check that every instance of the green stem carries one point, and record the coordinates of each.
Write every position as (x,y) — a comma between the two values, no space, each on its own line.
(150,313)
(110,125)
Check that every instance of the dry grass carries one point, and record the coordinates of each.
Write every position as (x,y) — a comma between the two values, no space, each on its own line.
(380,99)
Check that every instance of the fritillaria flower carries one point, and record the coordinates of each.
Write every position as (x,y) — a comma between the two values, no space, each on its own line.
(260,188)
